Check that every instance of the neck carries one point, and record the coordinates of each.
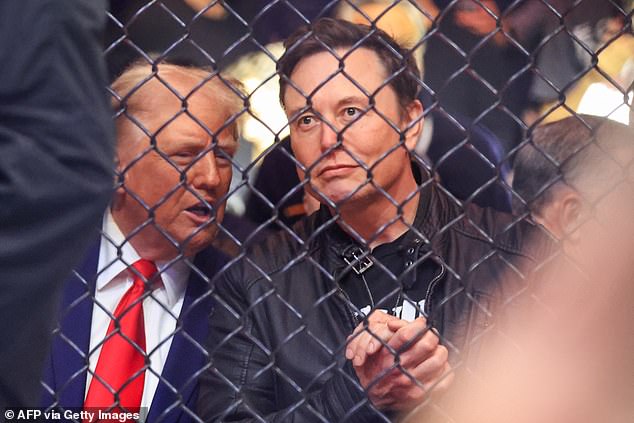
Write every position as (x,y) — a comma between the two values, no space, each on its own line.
(149,243)
(376,219)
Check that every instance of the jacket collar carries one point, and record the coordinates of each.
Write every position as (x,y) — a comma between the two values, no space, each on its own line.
(334,241)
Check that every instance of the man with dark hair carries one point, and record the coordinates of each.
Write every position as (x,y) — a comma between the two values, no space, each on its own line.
(361,311)
(568,169)
(567,156)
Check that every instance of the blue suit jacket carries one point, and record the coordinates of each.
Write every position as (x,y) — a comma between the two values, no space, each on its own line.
(177,392)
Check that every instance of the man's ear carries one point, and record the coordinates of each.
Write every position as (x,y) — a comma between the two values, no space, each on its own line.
(413,124)
(562,215)
(571,215)
(119,176)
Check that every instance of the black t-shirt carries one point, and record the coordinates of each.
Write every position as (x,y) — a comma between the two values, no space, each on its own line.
(396,282)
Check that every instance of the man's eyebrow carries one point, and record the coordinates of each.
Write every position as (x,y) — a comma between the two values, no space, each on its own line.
(179,140)
(295,111)
(190,142)
(352,100)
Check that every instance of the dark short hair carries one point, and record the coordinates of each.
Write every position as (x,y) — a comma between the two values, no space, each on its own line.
(327,34)
(562,152)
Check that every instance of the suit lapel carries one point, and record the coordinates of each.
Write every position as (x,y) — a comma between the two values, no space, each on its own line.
(186,358)
(70,347)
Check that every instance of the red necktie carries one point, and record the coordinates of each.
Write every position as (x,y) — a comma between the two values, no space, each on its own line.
(119,376)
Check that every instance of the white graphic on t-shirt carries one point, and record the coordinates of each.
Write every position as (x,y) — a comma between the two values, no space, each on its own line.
(409,311)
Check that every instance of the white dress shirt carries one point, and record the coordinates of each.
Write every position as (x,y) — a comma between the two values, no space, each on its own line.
(160,309)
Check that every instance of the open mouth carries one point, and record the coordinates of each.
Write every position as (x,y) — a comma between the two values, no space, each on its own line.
(201,210)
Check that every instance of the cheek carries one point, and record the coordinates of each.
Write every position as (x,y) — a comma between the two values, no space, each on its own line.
(157,185)
(303,149)
(371,136)
(226,175)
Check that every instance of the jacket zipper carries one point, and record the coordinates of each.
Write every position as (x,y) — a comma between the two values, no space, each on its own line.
(430,288)
(346,300)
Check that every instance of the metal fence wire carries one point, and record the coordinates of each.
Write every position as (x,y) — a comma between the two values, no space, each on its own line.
(354,246)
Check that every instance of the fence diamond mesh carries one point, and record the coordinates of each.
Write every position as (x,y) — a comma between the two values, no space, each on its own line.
(355,207)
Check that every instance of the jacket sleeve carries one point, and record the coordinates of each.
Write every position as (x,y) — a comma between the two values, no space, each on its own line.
(240,384)
(56,161)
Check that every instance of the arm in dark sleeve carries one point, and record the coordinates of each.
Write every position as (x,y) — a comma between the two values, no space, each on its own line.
(240,385)
(56,152)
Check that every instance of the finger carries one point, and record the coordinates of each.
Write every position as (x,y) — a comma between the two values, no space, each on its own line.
(356,349)
(374,320)
(408,335)
(369,342)
(426,373)
(395,325)
(380,316)
(361,337)
(376,316)
(352,342)
(408,390)
(419,351)
(437,385)
(442,384)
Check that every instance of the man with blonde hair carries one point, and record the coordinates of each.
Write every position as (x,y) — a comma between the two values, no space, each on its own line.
(135,312)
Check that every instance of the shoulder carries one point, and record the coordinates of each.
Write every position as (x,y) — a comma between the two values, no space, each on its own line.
(473,229)
(497,252)
(516,235)
(276,253)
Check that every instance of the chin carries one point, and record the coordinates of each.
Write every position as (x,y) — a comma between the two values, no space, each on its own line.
(339,195)
(355,197)
(200,241)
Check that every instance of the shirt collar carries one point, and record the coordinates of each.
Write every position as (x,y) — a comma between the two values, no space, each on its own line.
(116,254)
(174,274)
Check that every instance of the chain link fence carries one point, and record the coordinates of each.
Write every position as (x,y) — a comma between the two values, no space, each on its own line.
(380,226)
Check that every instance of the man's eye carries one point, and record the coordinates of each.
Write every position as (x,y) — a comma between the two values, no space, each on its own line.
(224,157)
(305,120)
(183,155)
(351,111)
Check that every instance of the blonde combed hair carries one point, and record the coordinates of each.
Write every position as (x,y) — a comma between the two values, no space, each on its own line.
(130,94)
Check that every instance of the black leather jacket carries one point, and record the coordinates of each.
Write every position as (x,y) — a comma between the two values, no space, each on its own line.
(278,332)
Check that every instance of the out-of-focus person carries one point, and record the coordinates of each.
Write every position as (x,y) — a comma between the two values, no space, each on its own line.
(135,313)
(56,148)
(567,168)
(575,179)
(564,352)
(362,310)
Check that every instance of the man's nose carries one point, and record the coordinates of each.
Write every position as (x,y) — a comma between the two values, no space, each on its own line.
(329,135)
(204,173)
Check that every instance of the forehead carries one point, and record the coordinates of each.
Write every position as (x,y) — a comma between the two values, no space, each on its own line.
(319,76)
